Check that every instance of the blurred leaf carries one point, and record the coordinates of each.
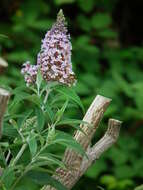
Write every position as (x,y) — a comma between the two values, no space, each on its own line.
(84,23)
(40,119)
(39,80)
(28,183)
(19,56)
(9,131)
(125,184)
(139,187)
(74,123)
(101,20)
(50,114)
(43,178)
(108,180)
(115,153)
(32,143)
(82,89)
(33,98)
(3,36)
(108,33)
(60,112)
(138,167)
(71,95)
(51,159)
(123,84)
(23,118)
(8,177)
(41,24)
(60,2)
(86,6)
(124,171)
(96,169)
(68,141)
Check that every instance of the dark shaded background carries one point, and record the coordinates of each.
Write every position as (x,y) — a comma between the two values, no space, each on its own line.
(107,58)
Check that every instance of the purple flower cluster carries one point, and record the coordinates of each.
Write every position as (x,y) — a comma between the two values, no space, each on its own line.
(30,72)
(54,59)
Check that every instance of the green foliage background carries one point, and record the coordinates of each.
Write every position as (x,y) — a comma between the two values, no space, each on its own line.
(107,59)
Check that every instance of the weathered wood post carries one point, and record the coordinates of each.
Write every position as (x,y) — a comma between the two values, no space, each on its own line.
(76,165)
(3,64)
(4,97)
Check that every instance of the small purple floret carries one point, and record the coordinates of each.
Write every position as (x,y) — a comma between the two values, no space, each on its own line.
(30,72)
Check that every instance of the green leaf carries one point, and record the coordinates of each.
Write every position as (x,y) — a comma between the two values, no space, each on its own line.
(51,159)
(34,98)
(60,2)
(4,144)
(70,94)
(125,184)
(115,153)
(68,141)
(60,112)
(124,171)
(8,177)
(32,143)
(18,56)
(14,123)
(50,114)
(40,119)
(24,96)
(9,131)
(101,20)
(26,183)
(43,24)
(20,96)
(108,33)
(86,6)
(22,119)
(39,164)
(39,80)
(84,22)
(139,187)
(51,134)
(108,179)
(43,178)
(3,36)
(74,123)
(123,84)
(19,89)
(2,157)
(96,169)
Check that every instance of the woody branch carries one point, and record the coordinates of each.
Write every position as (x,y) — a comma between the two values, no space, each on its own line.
(76,164)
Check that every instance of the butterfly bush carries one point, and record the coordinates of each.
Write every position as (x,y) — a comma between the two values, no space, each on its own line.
(54,58)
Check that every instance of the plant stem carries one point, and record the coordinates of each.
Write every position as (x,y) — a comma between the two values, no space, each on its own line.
(46,98)
(42,149)
(28,166)
(19,178)
(8,156)
(19,155)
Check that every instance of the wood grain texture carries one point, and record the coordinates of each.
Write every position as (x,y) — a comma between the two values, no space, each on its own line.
(109,138)
(75,164)
(4,97)
(3,64)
